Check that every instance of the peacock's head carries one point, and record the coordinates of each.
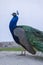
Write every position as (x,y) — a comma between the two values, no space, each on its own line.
(14,14)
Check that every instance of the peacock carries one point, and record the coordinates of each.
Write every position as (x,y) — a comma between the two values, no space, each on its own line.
(28,37)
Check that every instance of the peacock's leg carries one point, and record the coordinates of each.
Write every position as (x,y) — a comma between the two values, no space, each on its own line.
(23,52)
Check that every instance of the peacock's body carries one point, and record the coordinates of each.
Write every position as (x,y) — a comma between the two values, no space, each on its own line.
(30,38)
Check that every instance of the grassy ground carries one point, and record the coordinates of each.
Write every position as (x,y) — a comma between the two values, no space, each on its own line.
(12,49)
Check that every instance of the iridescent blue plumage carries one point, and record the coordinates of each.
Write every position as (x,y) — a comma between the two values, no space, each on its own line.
(12,26)
(13,23)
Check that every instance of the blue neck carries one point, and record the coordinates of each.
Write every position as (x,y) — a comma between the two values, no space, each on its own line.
(13,23)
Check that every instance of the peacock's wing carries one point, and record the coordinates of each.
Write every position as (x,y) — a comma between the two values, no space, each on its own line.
(20,33)
(35,37)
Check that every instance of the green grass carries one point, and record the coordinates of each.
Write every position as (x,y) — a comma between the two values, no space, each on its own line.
(12,49)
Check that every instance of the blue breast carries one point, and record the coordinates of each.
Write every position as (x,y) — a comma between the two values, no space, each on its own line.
(12,26)
(13,23)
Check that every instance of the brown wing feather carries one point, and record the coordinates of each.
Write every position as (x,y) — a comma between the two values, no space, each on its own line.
(20,33)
